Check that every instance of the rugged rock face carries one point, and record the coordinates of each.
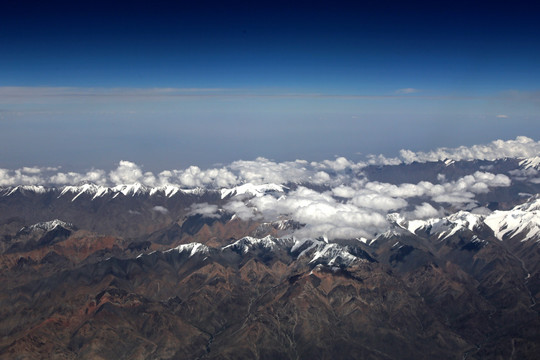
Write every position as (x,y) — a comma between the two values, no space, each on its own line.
(407,295)
(118,277)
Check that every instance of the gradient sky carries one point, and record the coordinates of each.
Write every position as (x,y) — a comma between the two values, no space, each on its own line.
(86,84)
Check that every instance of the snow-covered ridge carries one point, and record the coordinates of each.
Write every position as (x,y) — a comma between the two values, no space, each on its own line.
(252,190)
(138,189)
(533,204)
(38,189)
(97,191)
(331,254)
(48,225)
(447,226)
(126,190)
(249,243)
(523,220)
(531,163)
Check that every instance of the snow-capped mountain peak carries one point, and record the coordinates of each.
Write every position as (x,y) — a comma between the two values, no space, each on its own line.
(48,225)
(531,163)
(333,254)
(87,188)
(446,226)
(523,221)
(38,189)
(397,220)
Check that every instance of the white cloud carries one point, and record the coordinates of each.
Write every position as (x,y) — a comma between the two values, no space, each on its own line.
(382,160)
(264,171)
(241,210)
(195,177)
(95,176)
(349,205)
(521,147)
(204,209)
(339,164)
(425,211)
(322,214)
(502,116)
(31,170)
(377,201)
(333,173)
(259,171)
(344,191)
(126,173)
(160,209)
(25,176)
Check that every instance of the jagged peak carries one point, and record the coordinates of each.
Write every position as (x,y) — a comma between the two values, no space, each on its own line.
(333,254)
(398,220)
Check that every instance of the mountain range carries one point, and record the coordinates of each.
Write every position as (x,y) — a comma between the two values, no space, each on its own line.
(421,260)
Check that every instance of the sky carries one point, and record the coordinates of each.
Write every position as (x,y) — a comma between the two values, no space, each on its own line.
(86,84)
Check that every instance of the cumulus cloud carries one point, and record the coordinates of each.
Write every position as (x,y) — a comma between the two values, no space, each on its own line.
(321,213)
(521,147)
(382,160)
(126,173)
(377,201)
(241,210)
(264,171)
(160,209)
(24,176)
(530,174)
(330,173)
(339,164)
(204,209)
(343,204)
(94,176)
(344,191)
(359,209)
(425,211)
(259,171)
(347,206)
(458,191)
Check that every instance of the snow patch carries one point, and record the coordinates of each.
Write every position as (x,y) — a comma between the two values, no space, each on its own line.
(191,248)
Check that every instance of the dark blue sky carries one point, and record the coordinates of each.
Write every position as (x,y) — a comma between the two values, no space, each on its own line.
(316,79)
